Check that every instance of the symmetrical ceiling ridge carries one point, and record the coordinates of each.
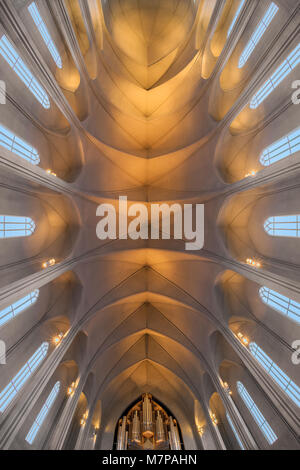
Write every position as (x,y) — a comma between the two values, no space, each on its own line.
(7,293)
(223,122)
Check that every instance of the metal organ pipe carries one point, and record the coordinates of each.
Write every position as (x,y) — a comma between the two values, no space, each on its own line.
(136,427)
(147,417)
(174,435)
(121,444)
(160,432)
(148,425)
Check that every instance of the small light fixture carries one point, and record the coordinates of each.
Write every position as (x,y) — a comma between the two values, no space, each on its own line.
(57,339)
(253,262)
(84,418)
(201,430)
(71,389)
(251,173)
(226,388)
(243,339)
(214,419)
(50,172)
(49,263)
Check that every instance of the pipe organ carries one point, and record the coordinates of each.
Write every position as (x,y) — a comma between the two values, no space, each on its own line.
(148,426)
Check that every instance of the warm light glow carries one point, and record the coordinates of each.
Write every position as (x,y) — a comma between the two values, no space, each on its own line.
(84,418)
(201,430)
(50,172)
(214,418)
(49,263)
(243,339)
(71,389)
(251,173)
(253,262)
(57,339)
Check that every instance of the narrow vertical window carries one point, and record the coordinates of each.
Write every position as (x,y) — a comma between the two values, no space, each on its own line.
(280,303)
(33,10)
(278,76)
(284,382)
(258,34)
(235,17)
(12,226)
(11,56)
(258,417)
(17,383)
(18,146)
(234,432)
(42,414)
(282,148)
(283,226)
(18,307)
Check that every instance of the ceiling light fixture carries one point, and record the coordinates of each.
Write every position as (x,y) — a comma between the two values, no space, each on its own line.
(57,339)
(71,389)
(251,173)
(226,388)
(253,262)
(84,418)
(243,339)
(50,172)
(49,263)
(214,418)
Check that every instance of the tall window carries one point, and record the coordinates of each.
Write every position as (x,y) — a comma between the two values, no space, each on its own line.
(282,148)
(284,382)
(282,304)
(283,226)
(15,309)
(278,76)
(17,383)
(258,34)
(13,226)
(257,415)
(234,432)
(235,17)
(18,146)
(33,10)
(42,414)
(17,64)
